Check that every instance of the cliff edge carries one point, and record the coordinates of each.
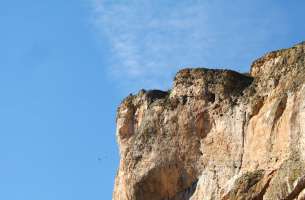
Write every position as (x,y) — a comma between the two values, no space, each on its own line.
(217,134)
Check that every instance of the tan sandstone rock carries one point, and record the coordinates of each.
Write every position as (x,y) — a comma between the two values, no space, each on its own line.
(217,134)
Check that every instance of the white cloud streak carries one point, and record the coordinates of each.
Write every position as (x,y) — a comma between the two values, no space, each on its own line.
(150,40)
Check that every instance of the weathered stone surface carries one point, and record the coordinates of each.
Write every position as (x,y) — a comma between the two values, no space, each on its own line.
(217,134)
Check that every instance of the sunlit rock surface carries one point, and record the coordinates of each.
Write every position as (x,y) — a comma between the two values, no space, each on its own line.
(217,134)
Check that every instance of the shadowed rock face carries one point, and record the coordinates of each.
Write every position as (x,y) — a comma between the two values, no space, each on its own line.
(217,134)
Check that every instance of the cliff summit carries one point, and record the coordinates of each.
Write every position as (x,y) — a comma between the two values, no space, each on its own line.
(217,134)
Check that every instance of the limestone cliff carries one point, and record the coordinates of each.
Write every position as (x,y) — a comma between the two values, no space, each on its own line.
(217,134)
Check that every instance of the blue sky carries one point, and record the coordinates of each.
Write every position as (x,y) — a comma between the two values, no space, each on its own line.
(66,65)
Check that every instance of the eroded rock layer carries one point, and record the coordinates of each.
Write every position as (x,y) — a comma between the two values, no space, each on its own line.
(217,134)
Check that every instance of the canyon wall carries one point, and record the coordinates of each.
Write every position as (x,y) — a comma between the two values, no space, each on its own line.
(217,134)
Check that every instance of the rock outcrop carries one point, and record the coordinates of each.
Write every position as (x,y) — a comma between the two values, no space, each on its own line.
(217,134)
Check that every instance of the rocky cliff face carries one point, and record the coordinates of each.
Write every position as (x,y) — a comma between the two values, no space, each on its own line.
(217,134)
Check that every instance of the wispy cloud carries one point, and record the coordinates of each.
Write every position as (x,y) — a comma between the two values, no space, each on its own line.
(150,40)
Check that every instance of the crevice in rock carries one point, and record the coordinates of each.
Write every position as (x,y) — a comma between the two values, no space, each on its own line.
(257,107)
(280,110)
(250,186)
(260,196)
(211,97)
(281,106)
(297,189)
(244,125)
(203,124)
